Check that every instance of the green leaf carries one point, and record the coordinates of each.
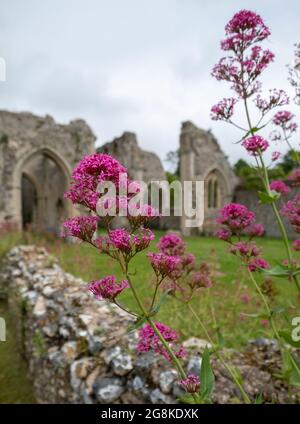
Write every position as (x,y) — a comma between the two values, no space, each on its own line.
(295,155)
(137,324)
(259,399)
(295,377)
(268,197)
(277,271)
(221,340)
(287,336)
(207,377)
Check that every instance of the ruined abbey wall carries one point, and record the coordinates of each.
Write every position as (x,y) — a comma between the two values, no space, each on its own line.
(37,156)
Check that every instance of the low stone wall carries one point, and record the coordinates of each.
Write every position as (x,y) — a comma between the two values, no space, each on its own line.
(78,349)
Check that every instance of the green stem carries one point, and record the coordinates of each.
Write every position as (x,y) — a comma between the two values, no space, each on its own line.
(272,322)
(219,356)
(273,204)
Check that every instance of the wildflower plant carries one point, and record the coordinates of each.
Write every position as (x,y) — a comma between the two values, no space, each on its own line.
(244,63)
(175,270)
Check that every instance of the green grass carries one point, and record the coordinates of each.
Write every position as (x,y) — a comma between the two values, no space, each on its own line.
(14,385)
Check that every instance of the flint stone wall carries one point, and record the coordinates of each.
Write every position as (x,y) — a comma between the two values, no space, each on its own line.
(78,349)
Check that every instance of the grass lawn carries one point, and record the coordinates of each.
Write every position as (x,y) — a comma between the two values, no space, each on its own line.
(221,306)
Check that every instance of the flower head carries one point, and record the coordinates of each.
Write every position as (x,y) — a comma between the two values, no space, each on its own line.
(258,263)
(223,111)
(191,384)
(255,230)
(291,210)
(82,227)
(149,340)
(280,187)
(255,145)
(275,156)
(164,265)
(236,217)
(171,244)
(295,178)
(107,287)
(296,245)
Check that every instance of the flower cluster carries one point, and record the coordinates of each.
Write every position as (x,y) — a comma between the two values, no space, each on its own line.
(126,242)
(223,111)
(239,221)
(164,265)
(275,156)
(244,29)
(255,145)
(82,227)
(236,218)
(92,170)
(291,210)
(280,187)
(149,340)
(294,178)
(276,98)
(191,384)
(243,32)
(172,244)
(107,287)
(296,245)
(284,120)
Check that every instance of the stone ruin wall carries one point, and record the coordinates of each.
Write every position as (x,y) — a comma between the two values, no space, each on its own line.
(201,159)
(31,146)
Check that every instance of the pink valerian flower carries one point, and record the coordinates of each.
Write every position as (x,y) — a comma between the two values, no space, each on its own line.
(245,298)
(276,98)
(142,239)
(120,239)
(280,187)
(255,230)
(245,249)
(191,384)
(82,227)
(284,119)
(79,195)
(291,210)
(224,234)
(142,215)
(171,244)
(187,260)
(236,217)
(200,279)
(257,264)
(296,245)
(127,243)
(249,26)
(96,168)
(276,156)
(255,145)
(286,263)
(149,340)
(294,178)
(223,111)
(107,287)
(90,171)
(164,265)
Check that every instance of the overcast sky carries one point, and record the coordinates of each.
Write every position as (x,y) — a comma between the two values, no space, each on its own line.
(131,65)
